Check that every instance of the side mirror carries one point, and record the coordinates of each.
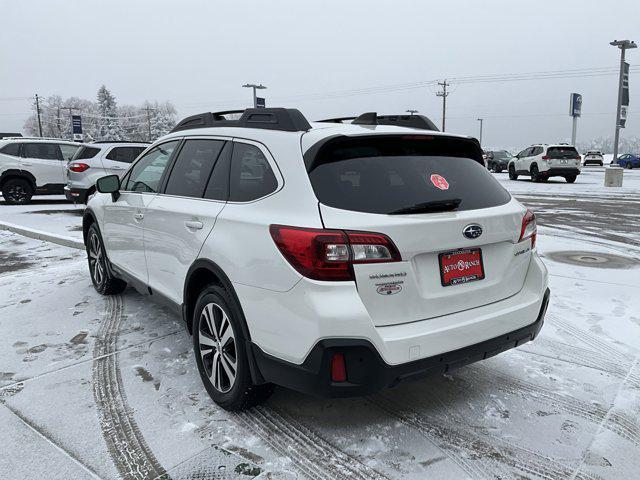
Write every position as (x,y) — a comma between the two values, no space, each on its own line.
(109,184)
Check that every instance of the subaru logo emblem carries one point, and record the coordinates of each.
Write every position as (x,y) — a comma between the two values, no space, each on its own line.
(472,231)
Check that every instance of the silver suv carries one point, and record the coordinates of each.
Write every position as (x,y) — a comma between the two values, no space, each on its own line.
(96,160)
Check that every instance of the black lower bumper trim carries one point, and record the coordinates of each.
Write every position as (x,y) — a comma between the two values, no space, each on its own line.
(368,373)
(76,195)
(561,172)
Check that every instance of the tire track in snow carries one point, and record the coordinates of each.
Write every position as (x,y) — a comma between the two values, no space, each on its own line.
(311,454)
(479,455)
(128,449)
(619,423)
(594,342)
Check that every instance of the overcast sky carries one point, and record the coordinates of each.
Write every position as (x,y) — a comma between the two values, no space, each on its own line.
(197,54)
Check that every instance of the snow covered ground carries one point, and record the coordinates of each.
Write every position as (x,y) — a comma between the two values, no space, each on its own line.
(95,387)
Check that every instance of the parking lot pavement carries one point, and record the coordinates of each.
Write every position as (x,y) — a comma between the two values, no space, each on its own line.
(97,387)
(51,213)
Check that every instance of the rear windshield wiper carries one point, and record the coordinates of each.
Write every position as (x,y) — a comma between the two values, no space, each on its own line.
(426,207)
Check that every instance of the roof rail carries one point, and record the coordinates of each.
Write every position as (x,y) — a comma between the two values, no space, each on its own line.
(372,118)
(284,119)
(121,141)
(57,139)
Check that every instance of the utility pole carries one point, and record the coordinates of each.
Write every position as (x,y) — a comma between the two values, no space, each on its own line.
(622,45)
(480,120)
(411,112)
(254,87)
(149,110)
(38,111)
(443,94)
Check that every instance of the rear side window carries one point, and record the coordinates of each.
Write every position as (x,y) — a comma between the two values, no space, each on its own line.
(124,154)
(45,151)
(384,174)
(84,153)
(193,167)
(251,175)
(11,149)
(68,151)
(562,152)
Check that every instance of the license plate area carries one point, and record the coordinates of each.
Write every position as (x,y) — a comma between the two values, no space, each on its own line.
(461,266)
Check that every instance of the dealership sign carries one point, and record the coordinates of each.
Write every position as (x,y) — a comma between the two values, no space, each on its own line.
(76,126)
(575,105)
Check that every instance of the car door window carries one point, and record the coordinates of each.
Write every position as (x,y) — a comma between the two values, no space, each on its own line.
(68,151)
(124,154)
(12,149)
(43,151)
(193,167)
(218,186)
(147,172)
(536,151)
(251,176)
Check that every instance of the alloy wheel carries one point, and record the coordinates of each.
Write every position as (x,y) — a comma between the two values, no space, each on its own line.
(217,345)
(17,193)
(96,262)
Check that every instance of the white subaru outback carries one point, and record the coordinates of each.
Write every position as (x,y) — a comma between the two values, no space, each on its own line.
(334,259)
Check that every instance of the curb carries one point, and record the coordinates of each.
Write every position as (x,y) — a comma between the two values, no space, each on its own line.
(42,235)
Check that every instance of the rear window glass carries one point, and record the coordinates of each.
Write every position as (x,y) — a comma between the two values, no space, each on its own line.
(386,174)
(562,152)
(86,152)
(124,154)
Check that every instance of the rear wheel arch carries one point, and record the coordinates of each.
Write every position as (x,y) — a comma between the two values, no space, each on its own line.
(88,219)
(205,272)
(17,174)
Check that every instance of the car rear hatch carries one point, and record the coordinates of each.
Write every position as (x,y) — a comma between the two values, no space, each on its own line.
(562,157)
(456,229)
(79,164)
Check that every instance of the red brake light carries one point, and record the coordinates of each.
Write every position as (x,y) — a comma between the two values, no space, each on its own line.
(529,228)
(545,157)
(578,157)
(77,167)
(329,255)
(338,368)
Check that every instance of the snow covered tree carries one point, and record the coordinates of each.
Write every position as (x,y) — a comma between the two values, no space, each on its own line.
(109,123)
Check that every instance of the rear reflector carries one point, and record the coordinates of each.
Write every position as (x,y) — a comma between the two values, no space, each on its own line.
(338,368)
(322,254)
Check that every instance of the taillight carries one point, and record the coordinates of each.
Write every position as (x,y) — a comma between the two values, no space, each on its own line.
(322,254)
(529,228)
(77,167)
(545,157)
(578,157)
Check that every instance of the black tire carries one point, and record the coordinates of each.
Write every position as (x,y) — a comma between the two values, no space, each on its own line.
(103,281)
(512,173)
(214,304)
(629,165)
(535,174)
(570,178)
(497,169)
(17,191)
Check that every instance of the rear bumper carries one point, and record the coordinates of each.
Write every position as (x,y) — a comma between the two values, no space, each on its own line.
(561,172)
(76,195)
(593,162)
(368,373)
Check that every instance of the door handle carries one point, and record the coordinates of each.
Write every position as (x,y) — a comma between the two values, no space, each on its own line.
(194,225)
(138,216)
(117,168)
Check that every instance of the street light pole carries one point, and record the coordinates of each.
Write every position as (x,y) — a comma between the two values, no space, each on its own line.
(623,45)
(480,120)
(254,87)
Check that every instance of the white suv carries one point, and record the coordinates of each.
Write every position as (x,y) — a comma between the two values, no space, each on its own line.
(329,258)
(30,166)
(543,161)
(96,160)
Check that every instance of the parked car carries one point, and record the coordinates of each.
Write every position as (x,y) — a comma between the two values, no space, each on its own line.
(498,160)
(593,157)
(334,259)
(542,161)
(97,160)
(629,161)
(33,166)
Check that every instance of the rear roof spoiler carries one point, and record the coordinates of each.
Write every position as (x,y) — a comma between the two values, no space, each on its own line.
(372,118)
(283,119)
